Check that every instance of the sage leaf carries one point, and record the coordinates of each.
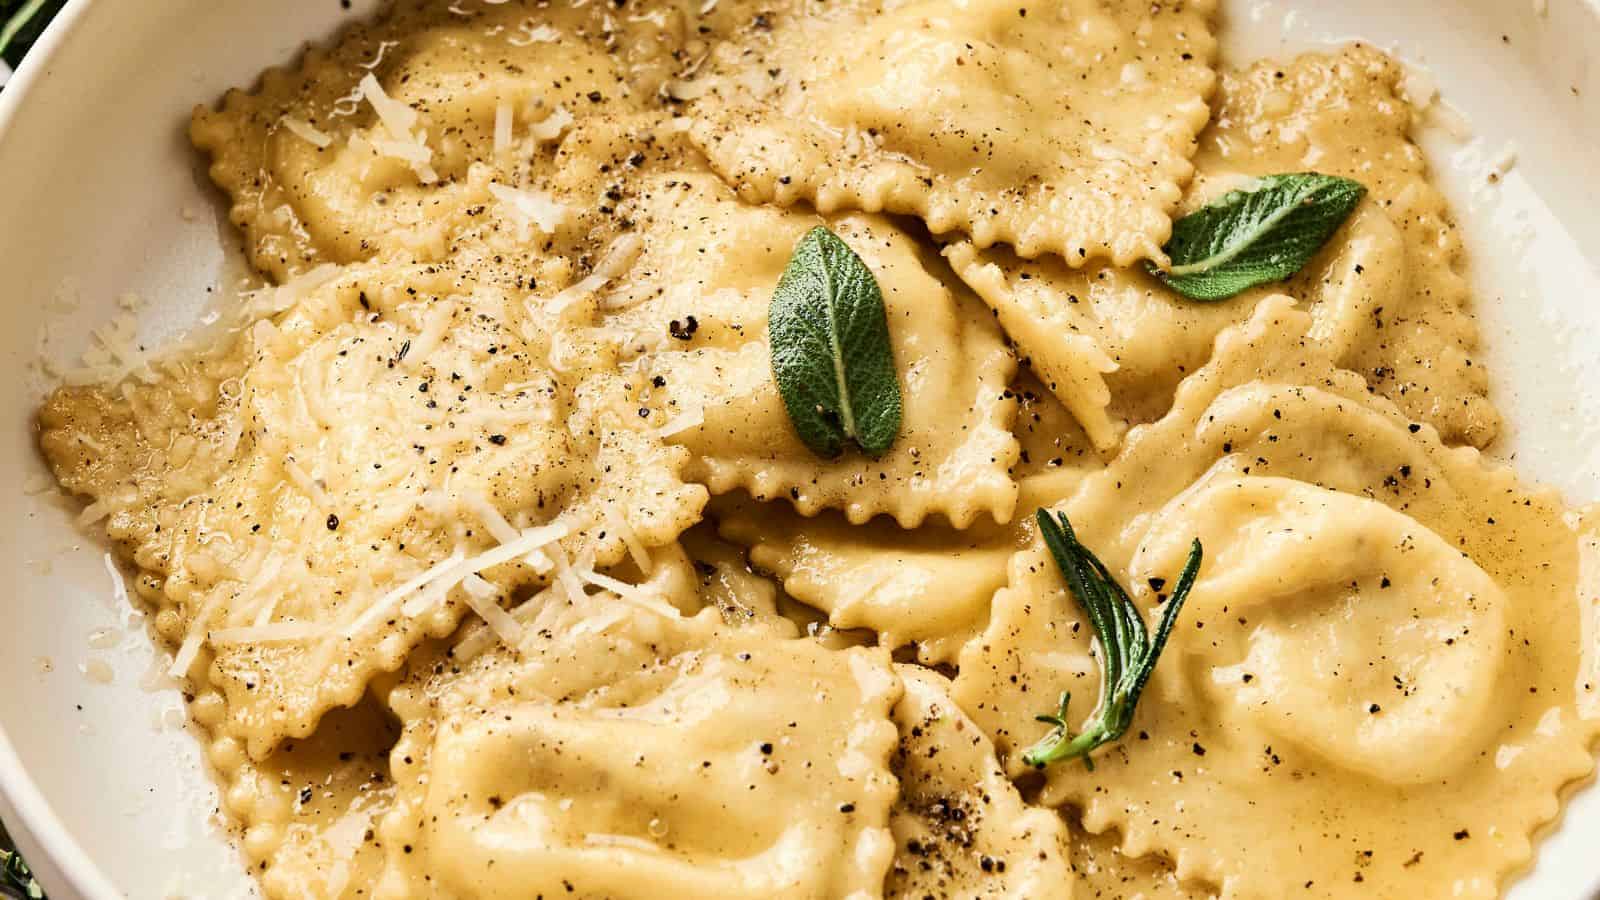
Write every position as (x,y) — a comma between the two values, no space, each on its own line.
(1261,234)
(830,349)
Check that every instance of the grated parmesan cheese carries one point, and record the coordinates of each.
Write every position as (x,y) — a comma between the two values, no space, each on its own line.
(269,301)
(551,127)
(619,258)
(305,483)
(424,590)
(630,539)
(686,90)
(537,208)
(684,421)
(506,628)
(398,120)
(396,595)
(187,652)
(119,588)
(503,121)
(632,593)
(306,131)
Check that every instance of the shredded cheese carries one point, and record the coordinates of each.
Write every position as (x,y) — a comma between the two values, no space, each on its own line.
(537,208)
(686,90)
(620,256)
(394,596)
(684,421)
(630,592)
(506,628)
(503,121)
(273,300)
(119,588)
(630,538)
(305,483)
(184,658)
(420,593)
(306,131)
(551,127)
(566,578)
(398,120)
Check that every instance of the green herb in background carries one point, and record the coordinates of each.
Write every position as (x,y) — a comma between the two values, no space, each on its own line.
(1127,651)
(1250,237)
(23,22)
(16,880)
(831,354)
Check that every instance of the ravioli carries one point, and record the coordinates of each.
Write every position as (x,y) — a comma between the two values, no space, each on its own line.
(961,829)
(308,813)
(497,568)
(293,507)
(1106,873)
(324,166)
(1382,656)
(692,312)
(928,586)
(644,756)
(1387,292)
(1062,129)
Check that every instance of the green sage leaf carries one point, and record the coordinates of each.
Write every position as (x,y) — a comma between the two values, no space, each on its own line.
(1254,236)
(831,354)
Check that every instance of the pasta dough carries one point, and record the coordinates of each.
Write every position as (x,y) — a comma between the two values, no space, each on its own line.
(324,166)
(1059,129)
(670,739)
(1387,293)
(960,828)
(309,811)
(1368,663)
(929,586)
(343,458)
(694,309)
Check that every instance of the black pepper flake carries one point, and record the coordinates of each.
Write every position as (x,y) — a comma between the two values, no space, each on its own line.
(1199,750)
(498,440)
(1462,835)
(333,522)
(847,808)
(683,330)
(596,96)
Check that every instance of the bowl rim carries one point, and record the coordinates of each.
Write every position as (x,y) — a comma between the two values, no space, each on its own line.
(55,856)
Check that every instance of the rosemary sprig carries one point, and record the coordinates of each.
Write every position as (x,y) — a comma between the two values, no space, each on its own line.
(1128,652)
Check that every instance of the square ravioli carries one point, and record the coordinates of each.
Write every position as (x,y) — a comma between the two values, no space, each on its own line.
(1385,648)
(641,756)
(1063,128)
(403,131)
(312,499)
(1388,291)
(691,311)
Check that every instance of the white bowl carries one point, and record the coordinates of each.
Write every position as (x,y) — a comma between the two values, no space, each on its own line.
(107,797)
